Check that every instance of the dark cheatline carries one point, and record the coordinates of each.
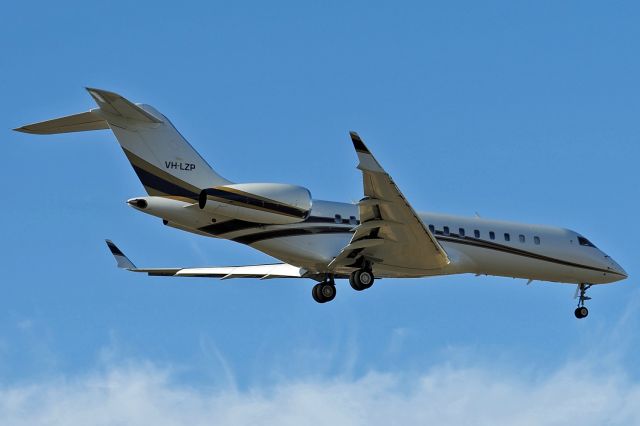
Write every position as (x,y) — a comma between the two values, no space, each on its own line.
(248,201)
(292,232)
(506,249)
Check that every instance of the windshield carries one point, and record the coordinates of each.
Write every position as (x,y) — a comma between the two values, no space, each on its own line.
(584,242)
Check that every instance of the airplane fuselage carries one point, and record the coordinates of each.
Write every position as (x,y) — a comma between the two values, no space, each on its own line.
(474,245)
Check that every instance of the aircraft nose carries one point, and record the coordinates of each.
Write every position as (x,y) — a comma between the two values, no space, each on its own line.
(622,272)
(616,268)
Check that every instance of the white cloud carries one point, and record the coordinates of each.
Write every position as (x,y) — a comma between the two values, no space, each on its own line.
(593,388)
(144,394)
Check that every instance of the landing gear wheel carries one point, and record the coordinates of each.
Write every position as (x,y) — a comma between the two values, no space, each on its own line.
(366,278)
(361,279)
(315,292)
(327,292)
(581,312)
(324,292)
(353,282)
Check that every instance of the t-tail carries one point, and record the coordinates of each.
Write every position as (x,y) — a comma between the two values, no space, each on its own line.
(166,164)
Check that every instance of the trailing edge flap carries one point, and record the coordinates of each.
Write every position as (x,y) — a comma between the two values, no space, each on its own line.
(114,104)
(81,122)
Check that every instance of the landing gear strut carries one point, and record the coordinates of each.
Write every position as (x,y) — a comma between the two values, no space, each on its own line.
(361,279)
(582,311)
(325,291)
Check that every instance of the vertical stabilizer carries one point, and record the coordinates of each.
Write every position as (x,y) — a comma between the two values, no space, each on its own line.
(164,161)
(166,164)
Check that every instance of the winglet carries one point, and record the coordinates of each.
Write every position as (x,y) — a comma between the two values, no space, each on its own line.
(367,161)
(358,144)
(122,260)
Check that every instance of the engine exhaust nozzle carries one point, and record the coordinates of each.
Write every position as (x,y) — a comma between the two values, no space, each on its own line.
(139,203)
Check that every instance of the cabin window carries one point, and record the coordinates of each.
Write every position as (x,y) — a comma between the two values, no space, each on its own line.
(432,229)
(521,238)
(507,237)
(476,233)
(536,240)
(492,235)
(461,232)
(353,220)
(446,230)
(338,218)
(584,242)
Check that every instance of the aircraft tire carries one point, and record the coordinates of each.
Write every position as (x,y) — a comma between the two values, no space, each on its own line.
(353,281)
(581,312)
(361,280)
(315,293)
(327,292)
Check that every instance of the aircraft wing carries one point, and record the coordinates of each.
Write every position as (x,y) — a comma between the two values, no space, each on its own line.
(391,236)
(278,270)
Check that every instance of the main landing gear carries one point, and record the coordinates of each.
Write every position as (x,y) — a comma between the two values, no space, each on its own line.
(582,311)
(325,291)
(361,279)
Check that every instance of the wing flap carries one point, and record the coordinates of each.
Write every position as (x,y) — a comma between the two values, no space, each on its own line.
(277,270)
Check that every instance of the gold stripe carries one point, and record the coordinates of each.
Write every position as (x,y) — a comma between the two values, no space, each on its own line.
(248,194)
(250,206)
(257,197)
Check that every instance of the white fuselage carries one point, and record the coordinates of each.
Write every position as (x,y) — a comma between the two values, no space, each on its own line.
(474,245)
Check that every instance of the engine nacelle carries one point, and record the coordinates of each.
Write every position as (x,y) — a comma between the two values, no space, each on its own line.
(174,211)
(272,203)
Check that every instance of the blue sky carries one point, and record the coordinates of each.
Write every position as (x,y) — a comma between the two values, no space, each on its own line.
(523,111)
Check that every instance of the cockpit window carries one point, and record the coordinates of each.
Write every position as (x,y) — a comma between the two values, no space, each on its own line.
(584,242)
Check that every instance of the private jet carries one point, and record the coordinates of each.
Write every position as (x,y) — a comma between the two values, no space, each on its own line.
(381,236)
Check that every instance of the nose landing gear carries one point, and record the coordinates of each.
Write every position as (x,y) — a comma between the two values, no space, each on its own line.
(582,311)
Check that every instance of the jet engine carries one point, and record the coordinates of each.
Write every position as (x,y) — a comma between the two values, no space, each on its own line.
(271,203)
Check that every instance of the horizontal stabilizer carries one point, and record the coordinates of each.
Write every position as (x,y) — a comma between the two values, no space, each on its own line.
(114,104)
(81,122)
